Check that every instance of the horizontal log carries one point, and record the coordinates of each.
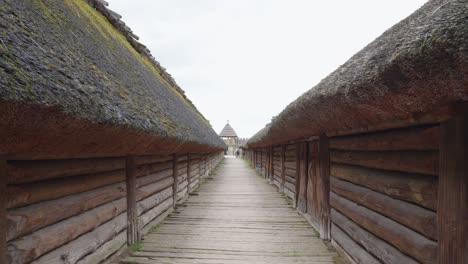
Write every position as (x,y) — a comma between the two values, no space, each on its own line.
(290,172)
(289,194)
(277,183)
(414,188)
(290,147)
(30,247)
(181,194)
(193,185)
(30,218)
(377,247)
(290,179)
(147,217)
(154,177)
(194,172)
(181,171)
(26,171)
(290,186)
(153,188)
(181,158)
(410,215)
(401,237)
(357,253)
(290,165)
(425,162)
(156,221)
(140,160)
(182,184)
(182,177)
(106,250)
(153,200)
(29,193)
(416,138)
(277,167)
(153,168)
(290,153)
(85,244)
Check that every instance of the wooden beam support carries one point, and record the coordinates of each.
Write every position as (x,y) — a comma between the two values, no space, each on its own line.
(301,176)
(189,168)
(283,179)
(175,175)
(452,214)
(132,214)
(3,218)
(323,183)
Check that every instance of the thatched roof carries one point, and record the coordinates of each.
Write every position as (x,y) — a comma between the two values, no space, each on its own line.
(418,66)
(228,131)
(64,59)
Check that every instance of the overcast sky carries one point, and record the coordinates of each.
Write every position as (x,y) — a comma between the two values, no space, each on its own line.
(246,60)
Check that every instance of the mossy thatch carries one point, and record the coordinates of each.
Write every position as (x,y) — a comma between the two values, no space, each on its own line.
(68,56)
(414,68)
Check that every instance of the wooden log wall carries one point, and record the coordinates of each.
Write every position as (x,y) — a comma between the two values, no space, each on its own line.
(290,171)
(75,210)
(384,195)
(277,167)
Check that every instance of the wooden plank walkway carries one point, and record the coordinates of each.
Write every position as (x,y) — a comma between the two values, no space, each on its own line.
(235,217)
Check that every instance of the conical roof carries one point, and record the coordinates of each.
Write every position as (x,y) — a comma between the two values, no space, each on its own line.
(228,131)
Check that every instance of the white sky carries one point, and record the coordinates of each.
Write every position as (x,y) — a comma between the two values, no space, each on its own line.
(246,60)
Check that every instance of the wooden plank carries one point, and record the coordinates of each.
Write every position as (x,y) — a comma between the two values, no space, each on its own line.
(415,138)
(415,217)
(377,247)
(3,212)
(424,162)
(414,188)
(401,237)
(234,218)
(132,214)
(452,207)
(323,187)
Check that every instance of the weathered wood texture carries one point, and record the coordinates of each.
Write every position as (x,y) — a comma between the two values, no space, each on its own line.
(452,214)
(415,217)
(385,192)
(416,138)
(133,231)
(405,239)
(84,222)
(236,217)
(383,251)
(415,188)
(3,214)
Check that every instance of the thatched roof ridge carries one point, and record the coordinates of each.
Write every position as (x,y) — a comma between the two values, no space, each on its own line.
(85,63)
(416,67)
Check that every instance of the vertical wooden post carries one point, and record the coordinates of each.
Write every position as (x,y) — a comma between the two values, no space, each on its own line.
(323,187)
(175,186)
(283,178)
(301,176)
(188,173)
(133,234)
(271,165)
(452,209)
(3,201)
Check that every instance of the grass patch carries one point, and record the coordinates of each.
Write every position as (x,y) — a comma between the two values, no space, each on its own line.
(136,246)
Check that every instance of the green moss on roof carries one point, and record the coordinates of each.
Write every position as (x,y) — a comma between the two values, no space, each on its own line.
(86,67)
